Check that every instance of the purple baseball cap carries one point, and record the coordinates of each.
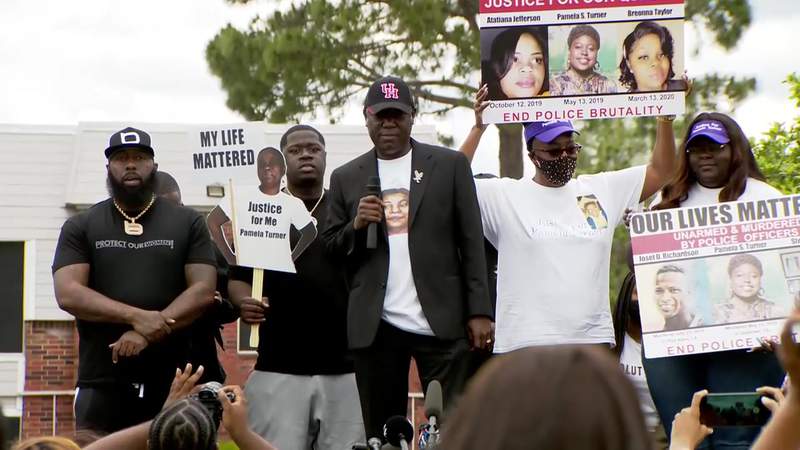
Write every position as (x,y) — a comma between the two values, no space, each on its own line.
(547,131)
(712,129)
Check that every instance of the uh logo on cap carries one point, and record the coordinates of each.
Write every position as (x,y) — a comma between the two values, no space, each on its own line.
(390,91)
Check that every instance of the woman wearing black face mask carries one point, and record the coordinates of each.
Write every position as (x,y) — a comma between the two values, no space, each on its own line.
(553,261)
(628,337)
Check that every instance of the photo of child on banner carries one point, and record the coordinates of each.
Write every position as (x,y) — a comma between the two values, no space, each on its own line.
(717,277)
(270,229)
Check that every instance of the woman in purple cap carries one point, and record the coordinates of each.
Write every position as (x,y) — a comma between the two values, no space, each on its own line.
(716,165)
(553,263)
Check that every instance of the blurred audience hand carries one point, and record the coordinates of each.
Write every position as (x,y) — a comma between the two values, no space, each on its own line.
(687,431)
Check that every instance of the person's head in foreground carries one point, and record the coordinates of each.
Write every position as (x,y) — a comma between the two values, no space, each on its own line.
(518,64)
(46,443)
(551,397)
(552,149)
(714,153)
(185,425)
(646,63)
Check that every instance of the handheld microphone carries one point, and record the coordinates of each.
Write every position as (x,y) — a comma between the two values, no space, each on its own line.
(373,188)
(433,402)
(398,431)
(429,434)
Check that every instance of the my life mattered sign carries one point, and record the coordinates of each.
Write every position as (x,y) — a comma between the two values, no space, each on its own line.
(581,59)
(716,277)
(225,151)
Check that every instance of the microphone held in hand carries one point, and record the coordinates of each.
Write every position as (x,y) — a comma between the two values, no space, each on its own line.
(398,431)
(373,188)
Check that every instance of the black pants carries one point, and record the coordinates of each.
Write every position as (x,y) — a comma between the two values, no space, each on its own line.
(674,380)
(113,407)
(382,372)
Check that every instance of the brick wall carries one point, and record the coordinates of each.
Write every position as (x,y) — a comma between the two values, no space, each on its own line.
(51,358)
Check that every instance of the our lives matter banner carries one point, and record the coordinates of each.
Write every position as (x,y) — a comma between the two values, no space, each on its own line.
(717,277)
(581,59)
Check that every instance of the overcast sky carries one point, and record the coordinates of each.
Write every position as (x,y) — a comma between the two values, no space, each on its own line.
(112,60)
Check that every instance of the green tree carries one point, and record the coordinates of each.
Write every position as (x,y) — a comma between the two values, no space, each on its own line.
(321,54)
(778,151)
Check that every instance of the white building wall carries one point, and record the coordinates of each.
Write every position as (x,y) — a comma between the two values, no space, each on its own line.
(47,173)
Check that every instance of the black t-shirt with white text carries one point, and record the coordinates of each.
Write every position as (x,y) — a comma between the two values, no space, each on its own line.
(145,271)
(304,332)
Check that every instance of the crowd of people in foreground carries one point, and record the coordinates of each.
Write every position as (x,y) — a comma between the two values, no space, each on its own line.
(398,270)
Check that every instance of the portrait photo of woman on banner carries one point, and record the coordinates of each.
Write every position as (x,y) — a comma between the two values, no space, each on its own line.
(652,55)
(747,299)
(578,67)
(517,64)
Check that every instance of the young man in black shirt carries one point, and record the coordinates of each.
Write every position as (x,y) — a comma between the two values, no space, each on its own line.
(302,393)
(135,271)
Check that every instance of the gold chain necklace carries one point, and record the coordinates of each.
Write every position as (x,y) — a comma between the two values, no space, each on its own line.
(131,227)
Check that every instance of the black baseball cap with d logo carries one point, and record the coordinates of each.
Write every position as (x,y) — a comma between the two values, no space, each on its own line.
(129,138)
(389,92)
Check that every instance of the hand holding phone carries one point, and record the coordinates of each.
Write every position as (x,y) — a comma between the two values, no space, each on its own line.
(687,431)
(734,409)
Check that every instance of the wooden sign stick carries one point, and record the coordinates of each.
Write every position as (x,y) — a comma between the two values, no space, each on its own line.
(258,274)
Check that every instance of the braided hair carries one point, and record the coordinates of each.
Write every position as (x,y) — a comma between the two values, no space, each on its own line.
(186,425)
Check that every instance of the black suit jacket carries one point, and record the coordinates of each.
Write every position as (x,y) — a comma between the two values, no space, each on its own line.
(445,243)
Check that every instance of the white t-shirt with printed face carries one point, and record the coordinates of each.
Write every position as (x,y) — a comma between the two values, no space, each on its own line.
(401,306)
(554,250)
(272,248)
(631,362)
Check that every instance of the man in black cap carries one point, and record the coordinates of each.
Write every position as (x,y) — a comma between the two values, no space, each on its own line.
(135,270)
(421,292)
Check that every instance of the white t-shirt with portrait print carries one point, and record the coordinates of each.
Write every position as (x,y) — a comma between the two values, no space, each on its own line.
(401,306)
(553,262)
